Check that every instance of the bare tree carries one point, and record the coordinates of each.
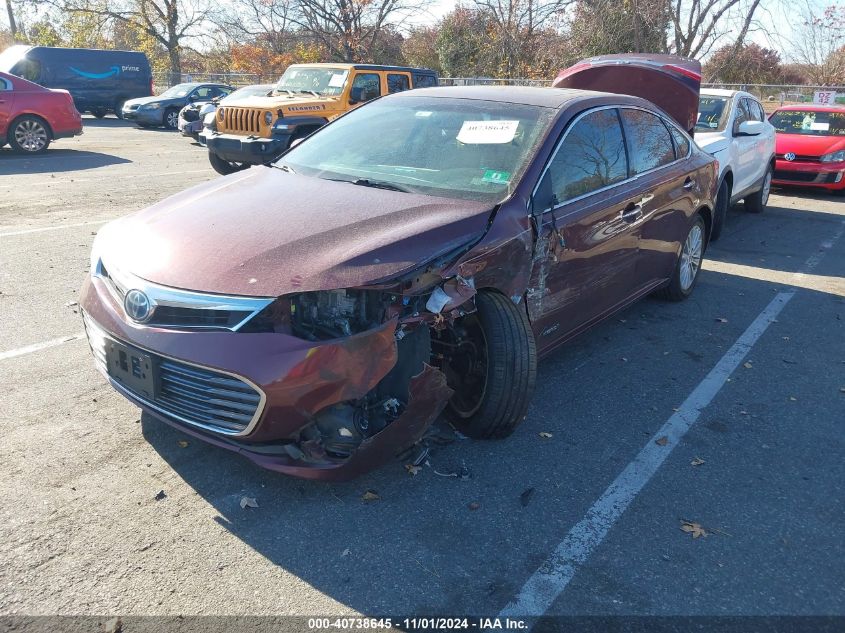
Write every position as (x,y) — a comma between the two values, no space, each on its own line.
(168,22)
(818,43)
(519,23)
(267,21)
(13,26)
(698,25)
(350,29)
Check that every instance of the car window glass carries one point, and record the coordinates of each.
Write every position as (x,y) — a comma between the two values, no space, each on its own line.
(681,142)
(365,86)
(758,110)
(29,69)
(590,157)
(649,142)
(743,113)
(5,84)
(424,81)
(203,92)
(397,83)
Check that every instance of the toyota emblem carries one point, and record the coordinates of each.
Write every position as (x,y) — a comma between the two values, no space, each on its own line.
(137,305)
(790,156)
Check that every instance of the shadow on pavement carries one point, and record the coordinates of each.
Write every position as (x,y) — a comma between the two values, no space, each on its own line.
(55,160)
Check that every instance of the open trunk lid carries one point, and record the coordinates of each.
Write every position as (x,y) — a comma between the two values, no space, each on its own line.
(670,82)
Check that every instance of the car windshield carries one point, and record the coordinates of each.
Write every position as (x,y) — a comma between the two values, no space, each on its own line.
(179,90)
(326,82)
(454,148)
(809,122)
(712,114)
(249,91)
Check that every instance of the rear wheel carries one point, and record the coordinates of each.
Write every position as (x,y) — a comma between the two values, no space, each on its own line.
(225,167)
(29,135)
(757,202)
(723,201)
(99,112)
(686,271)
(490,361)
(118,108)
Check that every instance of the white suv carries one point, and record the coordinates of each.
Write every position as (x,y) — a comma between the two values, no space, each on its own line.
(732,126)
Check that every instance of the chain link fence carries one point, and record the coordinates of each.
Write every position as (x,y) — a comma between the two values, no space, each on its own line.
(771,95)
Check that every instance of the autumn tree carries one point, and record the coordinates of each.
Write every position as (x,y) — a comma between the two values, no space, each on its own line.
(818,42)
(419,48)
(697,26)
(604,27)
(751,63)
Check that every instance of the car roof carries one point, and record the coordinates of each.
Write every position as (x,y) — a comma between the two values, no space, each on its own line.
(407,69)
(524,95)
(811,107)
(721,92)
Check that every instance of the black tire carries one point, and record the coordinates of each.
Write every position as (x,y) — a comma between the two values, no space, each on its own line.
(495,403)
(170,119)
(99,113)
(225,167)
(29,134)
(679,287)
(723,202)
(118,108)
(756,202)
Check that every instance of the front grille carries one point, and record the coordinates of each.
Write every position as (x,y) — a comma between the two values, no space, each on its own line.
(796,176)
(801,158)
(171,316)
(242,119)
(193,395)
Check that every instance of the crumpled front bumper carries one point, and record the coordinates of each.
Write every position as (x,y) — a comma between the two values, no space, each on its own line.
(189,128)
(298,379)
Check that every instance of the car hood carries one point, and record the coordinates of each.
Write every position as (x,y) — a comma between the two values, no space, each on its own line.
(264,232)
(711,142)
(807,145)
(279,101)
(668,81)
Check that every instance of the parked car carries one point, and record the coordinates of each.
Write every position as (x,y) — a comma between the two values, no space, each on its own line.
(163,110)
(99,81)
(810,147)
(318,314)
(307,97)
(31,116)
(732,126)
(194,115)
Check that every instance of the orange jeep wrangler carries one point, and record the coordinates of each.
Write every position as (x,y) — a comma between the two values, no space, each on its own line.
(260,129)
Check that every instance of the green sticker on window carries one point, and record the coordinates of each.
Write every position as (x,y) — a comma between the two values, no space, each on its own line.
(498,177)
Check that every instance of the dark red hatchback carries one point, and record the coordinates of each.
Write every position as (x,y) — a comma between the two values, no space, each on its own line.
(413,257)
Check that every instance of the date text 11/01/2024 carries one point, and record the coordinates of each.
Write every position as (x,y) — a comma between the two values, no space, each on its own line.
(417,624)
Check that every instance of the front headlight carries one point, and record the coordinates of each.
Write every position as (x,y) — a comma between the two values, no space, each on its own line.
(834,157)
(151,106)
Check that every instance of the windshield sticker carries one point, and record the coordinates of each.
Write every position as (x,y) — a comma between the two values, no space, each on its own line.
(487,132)
(337,80)
(423,113)
(819,127)
(497,177)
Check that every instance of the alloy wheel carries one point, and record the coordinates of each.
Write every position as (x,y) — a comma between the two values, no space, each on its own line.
(172,119)
(767,187)
(691,257)
(31,135)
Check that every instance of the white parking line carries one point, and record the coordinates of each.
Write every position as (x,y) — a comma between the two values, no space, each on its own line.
(52,228)
(546,584)
(37,347)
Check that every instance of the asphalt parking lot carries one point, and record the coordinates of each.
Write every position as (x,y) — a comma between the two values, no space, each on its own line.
(726,411)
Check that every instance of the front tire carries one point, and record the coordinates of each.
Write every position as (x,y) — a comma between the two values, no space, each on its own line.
(225,167)
(118,109)
(99,113)
(723,202)
(688,267)
(29,135)
(490,361)
(171,119)
(757,202)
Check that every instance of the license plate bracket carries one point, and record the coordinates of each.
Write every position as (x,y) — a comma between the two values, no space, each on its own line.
(132,368)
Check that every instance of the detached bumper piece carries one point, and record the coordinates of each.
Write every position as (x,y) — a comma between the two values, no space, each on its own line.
(246,149)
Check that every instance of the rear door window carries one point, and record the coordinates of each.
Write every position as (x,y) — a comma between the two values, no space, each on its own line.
(590,157)
(649,143)
(424,81)
(29,69)
(397,83)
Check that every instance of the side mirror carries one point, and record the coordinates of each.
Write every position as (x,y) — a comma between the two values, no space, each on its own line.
(750,128)
(355,95)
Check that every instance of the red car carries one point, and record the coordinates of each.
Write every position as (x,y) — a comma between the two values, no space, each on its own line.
(32,116)
(810,147)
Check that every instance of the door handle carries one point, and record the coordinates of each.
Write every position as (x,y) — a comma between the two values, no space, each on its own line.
(634,210)
(689,183)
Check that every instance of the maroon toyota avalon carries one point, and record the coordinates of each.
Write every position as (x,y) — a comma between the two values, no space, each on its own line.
(413,257)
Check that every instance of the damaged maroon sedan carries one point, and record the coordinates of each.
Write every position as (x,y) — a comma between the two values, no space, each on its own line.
(413,257)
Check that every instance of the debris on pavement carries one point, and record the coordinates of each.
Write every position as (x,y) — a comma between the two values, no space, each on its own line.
(544,434)
(183,443)
(474,505)
(525,497)
(412,469)
(461,473)
(693,528)
(370,495)
(160,495)
(248,502)
(721,320)
(662,441)
(696,461)
(747,364)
